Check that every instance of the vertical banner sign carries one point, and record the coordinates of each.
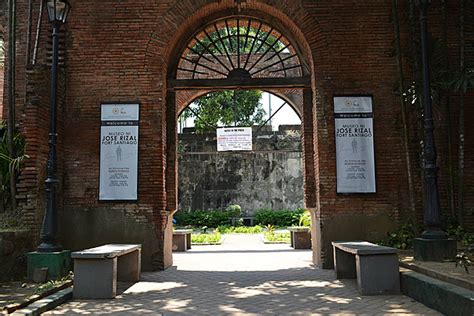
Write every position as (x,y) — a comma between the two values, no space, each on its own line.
(354,144)
(234,138)
(119,152)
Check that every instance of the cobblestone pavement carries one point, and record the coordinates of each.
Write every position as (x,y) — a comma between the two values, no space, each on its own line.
(244,277)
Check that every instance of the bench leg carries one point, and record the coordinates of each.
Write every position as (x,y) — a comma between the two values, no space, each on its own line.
(129,266)
(292,239)
(344,264)
(188,241)
(179,242)
(378,274)
(95,278)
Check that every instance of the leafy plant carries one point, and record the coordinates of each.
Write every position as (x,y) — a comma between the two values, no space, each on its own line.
(463,260)
(277,236)
(10,162)
(234,209)
(401,238)
(54,283)
(458,232)
(305,219)
(270,228)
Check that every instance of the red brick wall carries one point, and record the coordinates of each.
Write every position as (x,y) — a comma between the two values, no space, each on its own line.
(126,52)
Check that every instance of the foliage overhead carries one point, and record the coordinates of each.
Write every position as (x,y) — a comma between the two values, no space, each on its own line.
(226,108)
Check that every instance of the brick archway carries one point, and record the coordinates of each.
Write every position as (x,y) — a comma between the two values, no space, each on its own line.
(293,97)
(301,98)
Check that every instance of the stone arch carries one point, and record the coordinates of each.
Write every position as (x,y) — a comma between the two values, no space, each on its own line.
(163,51)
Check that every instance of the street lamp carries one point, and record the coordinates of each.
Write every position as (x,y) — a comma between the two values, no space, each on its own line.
(433,244)
(58,11)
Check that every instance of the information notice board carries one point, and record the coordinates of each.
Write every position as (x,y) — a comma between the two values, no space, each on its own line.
(354,144)
(234,138)
(119,152)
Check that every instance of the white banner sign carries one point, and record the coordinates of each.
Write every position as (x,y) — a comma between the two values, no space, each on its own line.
(119,152)
(354,144)
(234,138)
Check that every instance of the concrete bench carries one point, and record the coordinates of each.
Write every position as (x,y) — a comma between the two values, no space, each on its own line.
(374,266)
(182,239)
(300,237)
(96,270)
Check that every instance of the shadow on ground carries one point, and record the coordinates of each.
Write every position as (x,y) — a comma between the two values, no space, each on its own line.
(289,291)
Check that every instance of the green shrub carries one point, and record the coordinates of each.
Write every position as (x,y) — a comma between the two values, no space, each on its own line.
(203,218)
(401,238)
(281,218)
(459,233)
(234,209)
(277,236)
(213,238)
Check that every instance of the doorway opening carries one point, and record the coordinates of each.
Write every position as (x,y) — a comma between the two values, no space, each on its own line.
(223,184)
(221,66)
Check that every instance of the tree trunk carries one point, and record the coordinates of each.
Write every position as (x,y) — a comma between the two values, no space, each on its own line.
(403,108)
(11,92)
(461,120)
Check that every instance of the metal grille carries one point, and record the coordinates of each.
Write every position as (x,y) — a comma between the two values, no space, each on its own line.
(239,47)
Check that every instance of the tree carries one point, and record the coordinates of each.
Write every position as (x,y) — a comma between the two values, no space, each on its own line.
(226,108)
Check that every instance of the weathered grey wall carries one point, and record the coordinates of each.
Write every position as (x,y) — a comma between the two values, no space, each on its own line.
(270,176)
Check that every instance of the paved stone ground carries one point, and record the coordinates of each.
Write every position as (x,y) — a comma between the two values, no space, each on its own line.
(244,276)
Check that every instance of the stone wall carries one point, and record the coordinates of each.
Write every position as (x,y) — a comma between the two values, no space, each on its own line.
(13,246)
(269,176)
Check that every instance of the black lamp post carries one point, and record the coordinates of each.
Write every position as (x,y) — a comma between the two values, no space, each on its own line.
(57,12)
(432,214)
(434,244)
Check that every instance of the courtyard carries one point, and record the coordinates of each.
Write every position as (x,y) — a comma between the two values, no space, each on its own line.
(243,276)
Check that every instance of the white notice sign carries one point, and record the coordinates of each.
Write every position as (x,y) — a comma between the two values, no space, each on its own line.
(234,138)
(119,152)
(354,144)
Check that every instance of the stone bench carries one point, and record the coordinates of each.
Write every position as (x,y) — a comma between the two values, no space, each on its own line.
(374,266)
(182,239)
(96,270)
(300,237)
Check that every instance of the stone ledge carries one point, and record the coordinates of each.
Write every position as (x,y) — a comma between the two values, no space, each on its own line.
(441,296)
(46,304)
(438,275)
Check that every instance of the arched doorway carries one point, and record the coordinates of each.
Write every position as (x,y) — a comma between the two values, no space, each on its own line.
(240,51)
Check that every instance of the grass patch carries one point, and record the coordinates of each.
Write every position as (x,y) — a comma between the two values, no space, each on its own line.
(209,239)
(277,237)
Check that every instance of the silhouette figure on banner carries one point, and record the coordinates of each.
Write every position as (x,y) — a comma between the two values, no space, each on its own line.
(118,153)
(354,146)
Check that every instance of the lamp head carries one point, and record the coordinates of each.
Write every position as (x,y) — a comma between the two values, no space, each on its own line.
(58,10)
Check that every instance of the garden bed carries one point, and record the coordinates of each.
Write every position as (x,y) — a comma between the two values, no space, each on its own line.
(206,239)
(282,237)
